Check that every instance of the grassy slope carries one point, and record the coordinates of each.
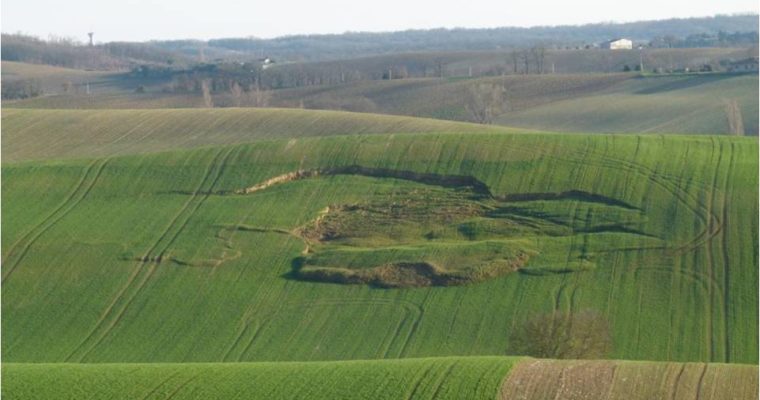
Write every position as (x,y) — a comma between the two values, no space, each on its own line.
(433,378)
(685,104)
(97,303)
(46,134)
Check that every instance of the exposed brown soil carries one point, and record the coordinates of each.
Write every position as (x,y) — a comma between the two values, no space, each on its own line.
(619,380)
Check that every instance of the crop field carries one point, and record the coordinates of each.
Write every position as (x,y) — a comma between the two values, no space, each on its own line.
(680,104)
(168,258)
(430,378)
(235,253)
(717,103)
(54,134)
(623,380)
(433,378)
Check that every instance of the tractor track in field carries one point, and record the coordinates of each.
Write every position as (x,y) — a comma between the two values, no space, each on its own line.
(411,309)
(21,247)
(142,274)
(724,251)
(700,382)
(415,325)
(439,383)
(418,383)
(182,386)
(712,221)
(710,256)
(160,384)
(674,388)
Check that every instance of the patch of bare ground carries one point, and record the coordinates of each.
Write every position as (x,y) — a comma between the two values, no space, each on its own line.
(535,379)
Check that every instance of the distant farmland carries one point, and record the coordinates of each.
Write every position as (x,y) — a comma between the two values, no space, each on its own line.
(582,102)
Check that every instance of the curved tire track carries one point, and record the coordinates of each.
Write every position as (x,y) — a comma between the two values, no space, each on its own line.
(21,247)
(141,274)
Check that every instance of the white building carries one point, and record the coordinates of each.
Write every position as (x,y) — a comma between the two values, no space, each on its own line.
(267,62)
(618,44)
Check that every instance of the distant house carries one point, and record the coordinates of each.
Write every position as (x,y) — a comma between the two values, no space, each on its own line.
(617,44)
(746,65)
(266,62)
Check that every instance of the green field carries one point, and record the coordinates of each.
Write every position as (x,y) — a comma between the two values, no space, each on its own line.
(431,378)
(54,134)
(198,254)
(677,279)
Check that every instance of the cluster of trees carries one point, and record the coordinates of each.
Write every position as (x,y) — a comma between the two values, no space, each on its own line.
(361,44)
(522,60)
(70,53)
(719,39)
(20,89)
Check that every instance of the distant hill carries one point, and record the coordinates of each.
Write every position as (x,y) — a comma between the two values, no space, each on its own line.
(717,31)
(356,44)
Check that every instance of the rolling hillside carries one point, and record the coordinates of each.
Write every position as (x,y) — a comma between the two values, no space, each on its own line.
(53,134)
(613,103)
(679,104)
(433,378)
(651,232)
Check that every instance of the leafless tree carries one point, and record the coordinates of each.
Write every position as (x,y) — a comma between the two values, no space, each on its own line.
(538,52)
(525,56)
(734,117)
(580,335)
(205,89)
(260,98)
(439,68)
(486,101)
(237,93)
(515,60)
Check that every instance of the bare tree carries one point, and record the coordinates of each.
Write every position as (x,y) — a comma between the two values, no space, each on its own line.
(486,101)
(439,68)
(525,56)
(237,93)
(581,335)
(734,117)
(515,60)
(538,52)
(207,100)
(260,97)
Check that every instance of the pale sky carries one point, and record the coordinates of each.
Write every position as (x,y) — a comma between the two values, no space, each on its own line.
(138,20)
